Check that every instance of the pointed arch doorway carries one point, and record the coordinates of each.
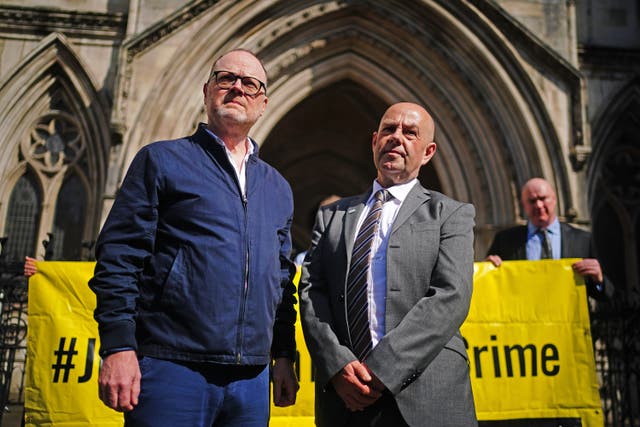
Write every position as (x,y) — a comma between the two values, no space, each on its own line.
(322,146)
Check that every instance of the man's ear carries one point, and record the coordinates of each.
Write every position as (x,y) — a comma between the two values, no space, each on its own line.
(264,105)
(429,152)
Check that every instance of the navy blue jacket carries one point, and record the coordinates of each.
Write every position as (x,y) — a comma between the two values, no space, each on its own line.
(189,269)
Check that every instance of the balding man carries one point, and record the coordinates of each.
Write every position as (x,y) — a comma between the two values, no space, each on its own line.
(544,237)
(193,277)
(384,289)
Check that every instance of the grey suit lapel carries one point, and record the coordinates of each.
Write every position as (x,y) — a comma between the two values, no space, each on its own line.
(416,198)
(351,216)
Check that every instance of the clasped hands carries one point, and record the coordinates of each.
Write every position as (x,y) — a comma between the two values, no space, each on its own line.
(357,386)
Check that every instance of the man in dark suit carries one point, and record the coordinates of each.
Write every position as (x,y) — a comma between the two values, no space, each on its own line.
(384,289)
(545,237)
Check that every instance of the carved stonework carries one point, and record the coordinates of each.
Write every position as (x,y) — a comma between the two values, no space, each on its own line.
(55,141)
(579,156)
(42,21)
(146,40)
(298,19)
(167,27)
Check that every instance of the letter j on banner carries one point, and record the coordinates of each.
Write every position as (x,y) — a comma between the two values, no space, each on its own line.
(62,354)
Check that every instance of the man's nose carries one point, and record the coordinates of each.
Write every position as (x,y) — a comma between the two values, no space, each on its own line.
(237,85)
(396,136)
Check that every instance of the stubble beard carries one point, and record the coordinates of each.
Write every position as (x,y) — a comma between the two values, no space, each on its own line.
(236,116)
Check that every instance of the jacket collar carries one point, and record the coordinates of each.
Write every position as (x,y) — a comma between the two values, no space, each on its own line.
(204,134)
(416,198)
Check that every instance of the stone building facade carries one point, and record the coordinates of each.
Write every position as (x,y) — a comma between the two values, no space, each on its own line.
(518,88)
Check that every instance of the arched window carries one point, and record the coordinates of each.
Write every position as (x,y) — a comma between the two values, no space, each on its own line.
(23,218)
(68,224)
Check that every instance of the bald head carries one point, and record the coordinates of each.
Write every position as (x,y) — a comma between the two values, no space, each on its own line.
(403,143)
(418,112)
(539,202)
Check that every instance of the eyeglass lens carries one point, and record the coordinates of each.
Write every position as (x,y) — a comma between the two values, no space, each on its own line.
(226,79)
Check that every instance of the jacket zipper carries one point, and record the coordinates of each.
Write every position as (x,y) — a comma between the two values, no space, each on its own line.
(245,283)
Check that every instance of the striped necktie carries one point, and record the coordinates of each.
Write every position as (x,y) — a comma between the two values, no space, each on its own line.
(357,301)
(545,244)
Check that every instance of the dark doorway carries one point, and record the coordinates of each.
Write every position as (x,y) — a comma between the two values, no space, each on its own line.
(323,148)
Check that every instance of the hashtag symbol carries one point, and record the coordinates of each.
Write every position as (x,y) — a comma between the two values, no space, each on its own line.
(60,354)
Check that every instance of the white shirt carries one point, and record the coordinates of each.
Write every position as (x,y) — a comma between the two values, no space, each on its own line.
(241,172)
(377,274)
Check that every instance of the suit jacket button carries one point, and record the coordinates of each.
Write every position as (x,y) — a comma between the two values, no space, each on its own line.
(341,297)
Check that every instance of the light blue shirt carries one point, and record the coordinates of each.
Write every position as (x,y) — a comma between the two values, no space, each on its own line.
(534,241)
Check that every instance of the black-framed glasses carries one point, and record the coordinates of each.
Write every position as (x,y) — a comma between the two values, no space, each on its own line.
(250,85)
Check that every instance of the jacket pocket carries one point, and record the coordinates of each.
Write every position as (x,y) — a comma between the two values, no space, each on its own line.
(173,288)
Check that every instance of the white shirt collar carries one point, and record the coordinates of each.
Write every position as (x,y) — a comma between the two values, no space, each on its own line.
(248,143)
(399,191)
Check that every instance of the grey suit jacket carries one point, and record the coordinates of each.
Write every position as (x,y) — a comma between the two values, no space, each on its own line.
(421,358)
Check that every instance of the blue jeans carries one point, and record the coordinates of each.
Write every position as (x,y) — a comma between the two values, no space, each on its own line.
(183,394)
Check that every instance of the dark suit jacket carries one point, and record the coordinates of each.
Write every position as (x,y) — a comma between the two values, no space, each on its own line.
(511,244)
(421,358)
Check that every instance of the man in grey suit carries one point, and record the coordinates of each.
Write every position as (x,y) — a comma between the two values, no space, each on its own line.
(389,353)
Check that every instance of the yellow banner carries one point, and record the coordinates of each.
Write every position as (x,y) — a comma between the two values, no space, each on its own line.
(62,350)
(529,343)
(527,335)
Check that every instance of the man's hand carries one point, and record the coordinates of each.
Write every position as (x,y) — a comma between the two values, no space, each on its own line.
(375,382)
(285,383)
(589,267)
(30,266)
(494,259)
(119,381)
(352,385)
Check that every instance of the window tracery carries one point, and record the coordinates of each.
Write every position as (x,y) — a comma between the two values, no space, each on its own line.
(54,141)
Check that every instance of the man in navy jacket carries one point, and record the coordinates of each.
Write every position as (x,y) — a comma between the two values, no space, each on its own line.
(193,277)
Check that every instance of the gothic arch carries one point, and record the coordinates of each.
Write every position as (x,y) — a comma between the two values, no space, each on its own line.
(47,94)
(609,123)
(614,187)
(494,129)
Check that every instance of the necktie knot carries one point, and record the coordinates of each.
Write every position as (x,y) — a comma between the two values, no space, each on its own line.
(381,196)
